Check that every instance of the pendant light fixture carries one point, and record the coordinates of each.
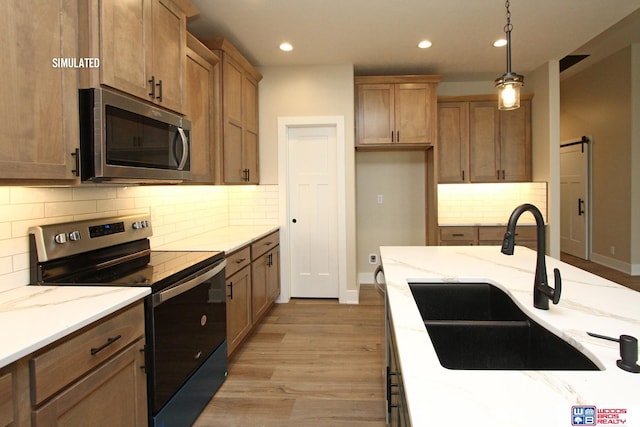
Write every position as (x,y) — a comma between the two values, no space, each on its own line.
(509,83)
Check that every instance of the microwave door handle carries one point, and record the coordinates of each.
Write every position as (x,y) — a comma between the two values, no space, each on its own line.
(185,149)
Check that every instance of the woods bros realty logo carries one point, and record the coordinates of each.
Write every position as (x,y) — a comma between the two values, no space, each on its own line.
(75,62)
(592,416)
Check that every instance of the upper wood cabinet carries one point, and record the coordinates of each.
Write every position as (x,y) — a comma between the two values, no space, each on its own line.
(141,46)
(38,95)
(239,94)
(201,108)
(479,143)
(396,111)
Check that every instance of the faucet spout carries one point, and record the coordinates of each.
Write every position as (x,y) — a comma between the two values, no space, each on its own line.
(542,292)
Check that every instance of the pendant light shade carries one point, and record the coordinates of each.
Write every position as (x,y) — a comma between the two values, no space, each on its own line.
(509,84)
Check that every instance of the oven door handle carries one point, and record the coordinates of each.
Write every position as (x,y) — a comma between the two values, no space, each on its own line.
(174,291)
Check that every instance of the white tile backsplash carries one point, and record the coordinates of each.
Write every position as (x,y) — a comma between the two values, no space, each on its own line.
(177,212)
(468,204)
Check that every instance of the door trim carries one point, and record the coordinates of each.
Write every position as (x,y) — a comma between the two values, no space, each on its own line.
(586,141)
(284,123)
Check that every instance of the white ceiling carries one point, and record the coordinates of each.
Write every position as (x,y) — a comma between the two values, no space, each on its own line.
(380,36)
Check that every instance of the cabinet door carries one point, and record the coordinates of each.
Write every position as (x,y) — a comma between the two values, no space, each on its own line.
(453,142)
(125,46)
(238,308)
(169,46)
(259,294)
(415,115)
(38,98)
(515,143)
(92,401)
(484,140)
(273,274)
(375,114)
(199,110)
(250,141)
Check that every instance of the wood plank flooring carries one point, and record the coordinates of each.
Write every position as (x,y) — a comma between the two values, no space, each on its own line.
(311,362)
(632,282)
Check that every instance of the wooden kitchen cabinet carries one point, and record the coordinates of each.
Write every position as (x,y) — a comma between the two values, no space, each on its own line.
(453,142)
(94,377)
(396,111)
(238,282)
(239,125)
(203,76)
(39,131)
(265,274)
(253,284)
(479,143)
(397,410)
(14,394)
(485,235)
(141,46)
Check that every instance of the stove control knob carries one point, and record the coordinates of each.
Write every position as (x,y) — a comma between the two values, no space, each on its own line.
(137,225)
(61,238)
(74,236)
(145,224)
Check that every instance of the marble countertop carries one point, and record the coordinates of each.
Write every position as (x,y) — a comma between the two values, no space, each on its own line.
(32,317)
(228,239)
(437,396)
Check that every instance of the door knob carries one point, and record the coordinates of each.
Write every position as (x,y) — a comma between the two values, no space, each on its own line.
(294,220)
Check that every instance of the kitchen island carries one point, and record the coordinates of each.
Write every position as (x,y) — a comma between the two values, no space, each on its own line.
(437,396)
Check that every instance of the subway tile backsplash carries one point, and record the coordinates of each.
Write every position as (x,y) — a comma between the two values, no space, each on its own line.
(469,204)
(177,212)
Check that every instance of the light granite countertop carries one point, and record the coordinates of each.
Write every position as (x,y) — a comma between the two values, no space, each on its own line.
(32,317)
(437,396)
(228,239)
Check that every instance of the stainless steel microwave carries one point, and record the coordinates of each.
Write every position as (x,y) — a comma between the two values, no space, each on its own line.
(123,139)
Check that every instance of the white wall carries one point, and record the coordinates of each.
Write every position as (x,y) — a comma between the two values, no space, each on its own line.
(544,82)
(601,101)
(310,91)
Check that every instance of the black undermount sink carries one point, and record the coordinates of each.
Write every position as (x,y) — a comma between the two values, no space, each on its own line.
(477,326)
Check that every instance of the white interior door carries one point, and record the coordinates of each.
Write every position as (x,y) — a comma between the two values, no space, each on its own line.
(313,212)
(574,196)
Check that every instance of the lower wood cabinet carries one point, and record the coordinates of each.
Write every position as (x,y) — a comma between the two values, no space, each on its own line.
(253,284)
(114,395)
(485,235)
(397,411)
(238,273)
(93,377)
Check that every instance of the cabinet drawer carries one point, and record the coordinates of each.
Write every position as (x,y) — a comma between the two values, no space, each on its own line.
(458,233)
(263,245)
(238,260)
(497,233)
(6,399)
(60,364)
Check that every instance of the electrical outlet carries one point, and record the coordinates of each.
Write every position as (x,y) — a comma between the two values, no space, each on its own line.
(380,199)
(373,259)
(612,250)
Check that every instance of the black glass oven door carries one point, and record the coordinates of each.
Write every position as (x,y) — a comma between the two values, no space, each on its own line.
(188,322)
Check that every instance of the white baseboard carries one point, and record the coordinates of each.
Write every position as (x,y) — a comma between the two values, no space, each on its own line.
(366,278)
(350,296)
(616,264)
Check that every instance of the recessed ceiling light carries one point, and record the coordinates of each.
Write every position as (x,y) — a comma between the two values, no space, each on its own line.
(424,44)
(500,43)
(286,47)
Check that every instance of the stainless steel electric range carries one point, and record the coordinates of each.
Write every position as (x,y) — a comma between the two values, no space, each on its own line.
(185,314)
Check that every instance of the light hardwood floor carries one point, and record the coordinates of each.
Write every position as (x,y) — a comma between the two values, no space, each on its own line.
(632,282)
(309,363)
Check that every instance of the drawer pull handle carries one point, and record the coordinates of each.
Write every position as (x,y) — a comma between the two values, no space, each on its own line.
(241,260)
(110,341)
(458,234)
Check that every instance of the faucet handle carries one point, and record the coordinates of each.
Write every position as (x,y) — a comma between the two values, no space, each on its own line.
(557,286)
